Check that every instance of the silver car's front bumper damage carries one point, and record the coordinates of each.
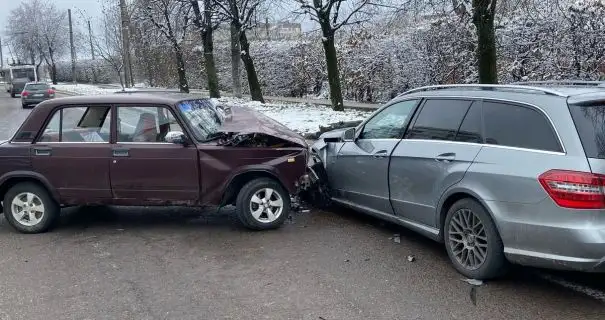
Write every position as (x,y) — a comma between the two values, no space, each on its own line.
(314,187)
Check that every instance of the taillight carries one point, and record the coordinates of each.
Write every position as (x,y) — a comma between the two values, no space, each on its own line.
(574,189)
(51,91)
(24,94)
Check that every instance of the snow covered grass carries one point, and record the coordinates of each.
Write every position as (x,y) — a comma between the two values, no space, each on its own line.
(87,89)
(302,118)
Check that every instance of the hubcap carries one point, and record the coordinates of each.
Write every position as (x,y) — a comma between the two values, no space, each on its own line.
(27,209)
(468,239)
(266,205)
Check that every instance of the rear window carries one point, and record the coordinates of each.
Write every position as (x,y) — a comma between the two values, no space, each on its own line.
(518,126)
(37,86)
(590,123)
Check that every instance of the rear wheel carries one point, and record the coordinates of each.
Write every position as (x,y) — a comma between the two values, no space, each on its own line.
(29,208)
(13,95)
(263,204)
(472,241)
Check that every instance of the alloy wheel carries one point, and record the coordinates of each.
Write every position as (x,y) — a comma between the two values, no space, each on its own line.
(468,239)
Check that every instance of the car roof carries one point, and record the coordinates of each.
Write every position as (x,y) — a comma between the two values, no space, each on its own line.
(523,93)
(166,98)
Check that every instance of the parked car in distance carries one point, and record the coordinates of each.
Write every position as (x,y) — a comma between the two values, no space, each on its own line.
(36,92)
(148,150)
(498,173)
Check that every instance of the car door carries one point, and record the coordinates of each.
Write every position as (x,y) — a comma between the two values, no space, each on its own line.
(359,174)
(73,153)
(145,167)
(435,153)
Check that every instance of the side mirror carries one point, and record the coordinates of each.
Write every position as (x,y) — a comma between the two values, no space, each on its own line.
(177,137)
(349,135)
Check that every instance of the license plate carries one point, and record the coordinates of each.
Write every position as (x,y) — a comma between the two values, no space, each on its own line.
(38,95)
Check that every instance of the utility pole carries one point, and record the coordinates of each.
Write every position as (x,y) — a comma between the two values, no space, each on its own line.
(92,53)
(1,56)
(125,43)
(73,50)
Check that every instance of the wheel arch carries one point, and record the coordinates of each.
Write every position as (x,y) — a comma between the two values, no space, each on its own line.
(238,180)
(9,180)
(452,196)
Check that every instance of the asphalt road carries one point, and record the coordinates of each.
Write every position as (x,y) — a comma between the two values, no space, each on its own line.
(145,263)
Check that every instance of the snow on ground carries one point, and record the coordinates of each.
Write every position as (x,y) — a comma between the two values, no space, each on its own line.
(87,89)
(302,118)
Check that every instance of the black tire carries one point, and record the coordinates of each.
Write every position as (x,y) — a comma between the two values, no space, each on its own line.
(495,264)
(51,209)
(13,95)
(23,105)
(244,199)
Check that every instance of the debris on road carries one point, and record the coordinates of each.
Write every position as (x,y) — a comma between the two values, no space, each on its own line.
(397,238)
(473,282)
(411,259)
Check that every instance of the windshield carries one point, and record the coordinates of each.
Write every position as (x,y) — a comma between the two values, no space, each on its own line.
(22,73)
(202,116)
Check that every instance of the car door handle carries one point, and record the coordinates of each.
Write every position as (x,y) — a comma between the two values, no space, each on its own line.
(380,154)
(446,157)
(121,153)
(42,151)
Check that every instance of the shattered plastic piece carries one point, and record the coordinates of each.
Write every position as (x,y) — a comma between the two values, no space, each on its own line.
(411,258)
(397,238)
(473,282)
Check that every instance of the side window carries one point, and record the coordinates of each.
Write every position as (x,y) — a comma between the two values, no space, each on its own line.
(439,119)
(389,123)
(516,126)
(145,124)
(470,129)
(78,124)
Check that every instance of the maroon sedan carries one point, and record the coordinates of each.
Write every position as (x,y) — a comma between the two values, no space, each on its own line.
(148,150)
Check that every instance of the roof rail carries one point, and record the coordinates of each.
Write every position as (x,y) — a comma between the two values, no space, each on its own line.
(563,83)
(499,87)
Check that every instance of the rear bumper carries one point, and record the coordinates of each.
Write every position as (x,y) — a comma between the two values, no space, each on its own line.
(33,100)
(550,261)
(547,236)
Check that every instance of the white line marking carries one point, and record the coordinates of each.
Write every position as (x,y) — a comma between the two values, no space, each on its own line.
(593,293)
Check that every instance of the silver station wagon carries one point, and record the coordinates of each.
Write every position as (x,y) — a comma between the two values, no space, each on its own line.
(498,173)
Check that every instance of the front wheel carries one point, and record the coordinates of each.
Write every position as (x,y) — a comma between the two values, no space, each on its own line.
(472,241)
(263,204)
(13,95)
(29,208)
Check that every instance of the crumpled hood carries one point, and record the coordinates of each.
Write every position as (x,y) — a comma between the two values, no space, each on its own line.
(244,120)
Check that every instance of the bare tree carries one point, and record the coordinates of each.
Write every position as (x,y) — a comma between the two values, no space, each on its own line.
(109,44)
(482,13)
(172,19)
(43,38)
(240,14)
(206,23)
(331,18)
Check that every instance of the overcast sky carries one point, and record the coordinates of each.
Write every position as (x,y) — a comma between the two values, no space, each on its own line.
(91,7)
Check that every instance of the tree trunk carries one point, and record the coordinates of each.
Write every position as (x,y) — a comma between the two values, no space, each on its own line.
(180,62)
(333,73)
(53,68)
(483,19)
(204,25)
(255,91)
(235,62)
